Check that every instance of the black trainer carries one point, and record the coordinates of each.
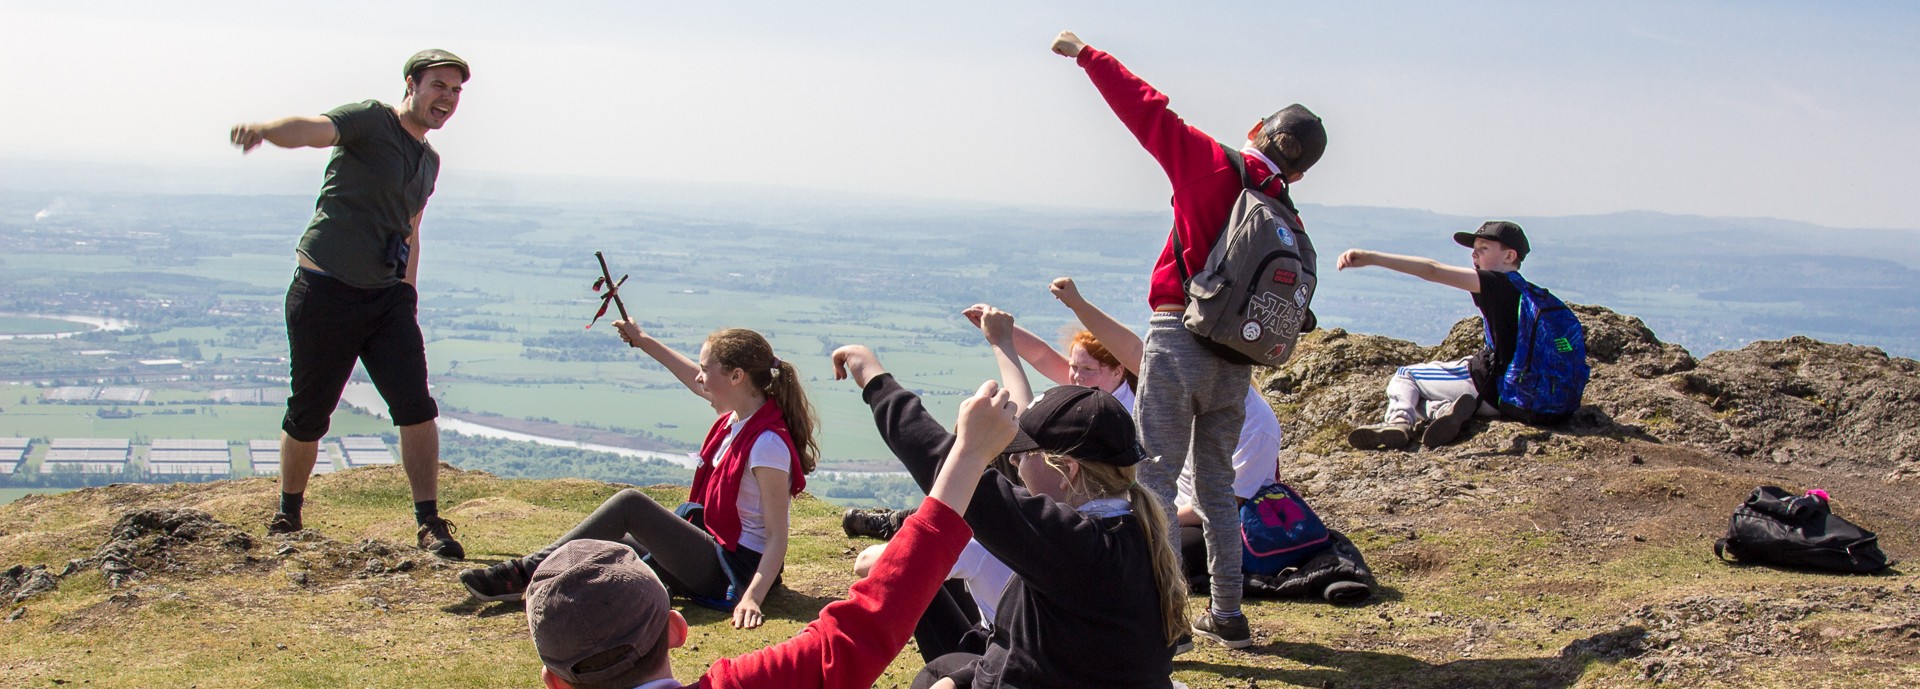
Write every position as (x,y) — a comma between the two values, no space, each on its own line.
(880,522)
(1231,632)
(436,536)
(1446,427)
(506,581)
(283,523)
(1381,436)
(1183,645)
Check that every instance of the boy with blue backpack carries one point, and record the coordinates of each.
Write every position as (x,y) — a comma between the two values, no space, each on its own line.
(1533,367)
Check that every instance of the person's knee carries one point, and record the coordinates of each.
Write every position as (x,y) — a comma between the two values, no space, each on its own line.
(863,563)
(305,430)
(414,412)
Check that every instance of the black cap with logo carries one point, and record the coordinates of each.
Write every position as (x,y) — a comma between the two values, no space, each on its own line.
(1080,422)
(1497,230)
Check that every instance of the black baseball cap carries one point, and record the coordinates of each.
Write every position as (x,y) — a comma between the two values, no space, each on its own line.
(1083,423)
(1497,230)
(435,57)
(1305,126)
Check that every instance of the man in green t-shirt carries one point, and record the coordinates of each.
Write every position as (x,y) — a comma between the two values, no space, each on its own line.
(353,298)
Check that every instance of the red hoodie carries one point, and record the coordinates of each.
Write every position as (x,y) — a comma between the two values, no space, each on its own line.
(1204,182)
(854,640)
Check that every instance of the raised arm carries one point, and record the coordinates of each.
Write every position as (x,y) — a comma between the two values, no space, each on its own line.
(1120,340)
(684,369)
(854,640)
(997,325)
(1182,150)
(286,132)
(1035,351)
(911,434)
(1417,266)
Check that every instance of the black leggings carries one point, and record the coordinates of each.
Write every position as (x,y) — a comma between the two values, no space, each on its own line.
(685,556)
(959,667)
(951,623)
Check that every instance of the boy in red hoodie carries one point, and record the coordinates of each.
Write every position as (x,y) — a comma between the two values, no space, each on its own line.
(1190,398)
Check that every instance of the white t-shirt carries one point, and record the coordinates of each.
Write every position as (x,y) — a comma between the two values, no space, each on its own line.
(768,451)
(1124,393)
(986,577)
(1255,457)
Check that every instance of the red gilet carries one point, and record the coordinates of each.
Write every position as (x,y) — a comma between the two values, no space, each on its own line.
(854,640)
(716,484)
(1204,183)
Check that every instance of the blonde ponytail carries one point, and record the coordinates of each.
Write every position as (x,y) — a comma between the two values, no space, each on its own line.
(1105,480)
(1166,566)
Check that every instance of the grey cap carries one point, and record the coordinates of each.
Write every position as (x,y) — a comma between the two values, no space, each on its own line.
(435,57)
(596,601)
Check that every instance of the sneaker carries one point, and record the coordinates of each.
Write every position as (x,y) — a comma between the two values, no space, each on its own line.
(436,536)
(881,523)
(283,523)
(1231,632)
(1446,427)
(1183,645)
(506,581)
(1380,436)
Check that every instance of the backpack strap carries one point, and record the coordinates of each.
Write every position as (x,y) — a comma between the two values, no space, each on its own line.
(1239,164)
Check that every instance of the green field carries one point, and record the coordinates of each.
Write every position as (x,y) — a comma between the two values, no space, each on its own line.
(225,422)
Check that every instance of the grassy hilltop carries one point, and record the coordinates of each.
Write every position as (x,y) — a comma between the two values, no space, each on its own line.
(1518,558)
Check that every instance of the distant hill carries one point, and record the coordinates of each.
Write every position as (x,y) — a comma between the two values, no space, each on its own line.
(1518,558)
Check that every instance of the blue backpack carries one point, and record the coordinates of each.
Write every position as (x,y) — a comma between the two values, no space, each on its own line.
(1549,370)
(1279,531)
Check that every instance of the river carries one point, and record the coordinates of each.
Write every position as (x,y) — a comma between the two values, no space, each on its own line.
(364,397)
(95,323)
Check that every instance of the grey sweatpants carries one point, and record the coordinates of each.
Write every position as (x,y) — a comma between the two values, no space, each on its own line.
(1190,408)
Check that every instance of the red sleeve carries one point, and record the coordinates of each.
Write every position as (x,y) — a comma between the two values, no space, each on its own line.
(854,640)
(1182,150)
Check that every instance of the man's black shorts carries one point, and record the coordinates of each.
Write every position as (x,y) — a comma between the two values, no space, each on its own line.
(330,324)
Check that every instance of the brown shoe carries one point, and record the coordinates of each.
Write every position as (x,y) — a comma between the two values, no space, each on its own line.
(436,536)
(1446,427)
(1381,436)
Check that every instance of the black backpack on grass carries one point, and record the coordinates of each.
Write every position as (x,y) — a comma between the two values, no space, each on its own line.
(1774,527)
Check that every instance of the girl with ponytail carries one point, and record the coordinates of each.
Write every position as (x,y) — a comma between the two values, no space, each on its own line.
(726,547)
(1097,599)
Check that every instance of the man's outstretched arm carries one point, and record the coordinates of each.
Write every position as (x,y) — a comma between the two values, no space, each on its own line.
(286,132)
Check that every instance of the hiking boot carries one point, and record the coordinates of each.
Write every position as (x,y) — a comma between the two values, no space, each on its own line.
(1380,436)
(881,523)
(1231,632)
(506,581)
(1446,427)
(436,536)
(283,523)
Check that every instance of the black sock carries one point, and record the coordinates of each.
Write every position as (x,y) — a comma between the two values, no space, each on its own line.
(290,503)
(425,511)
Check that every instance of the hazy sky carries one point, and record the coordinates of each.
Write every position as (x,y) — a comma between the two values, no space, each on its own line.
(1799,110)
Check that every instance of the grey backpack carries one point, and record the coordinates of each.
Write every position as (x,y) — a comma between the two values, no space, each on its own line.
(1249,304)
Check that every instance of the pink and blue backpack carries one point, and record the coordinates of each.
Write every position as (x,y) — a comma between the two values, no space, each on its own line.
(1279,531)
